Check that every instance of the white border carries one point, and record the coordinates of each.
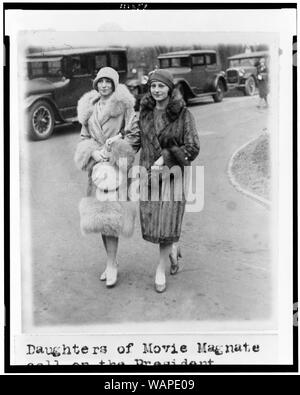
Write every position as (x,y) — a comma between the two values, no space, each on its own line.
(280,21)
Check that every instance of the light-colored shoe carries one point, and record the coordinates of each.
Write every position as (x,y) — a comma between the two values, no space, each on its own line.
(160,283)
(160,288)
(111,276)
(103,275)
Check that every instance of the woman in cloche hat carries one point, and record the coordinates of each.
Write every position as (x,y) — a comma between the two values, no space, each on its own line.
(168,138)
(109,133)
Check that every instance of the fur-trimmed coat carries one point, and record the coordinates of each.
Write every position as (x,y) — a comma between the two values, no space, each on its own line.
(111,218)
(118,116)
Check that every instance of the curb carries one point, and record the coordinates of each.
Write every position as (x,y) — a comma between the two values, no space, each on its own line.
(265,202)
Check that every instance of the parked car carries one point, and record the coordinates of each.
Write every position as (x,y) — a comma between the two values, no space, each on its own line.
(57,79)
(197,73)
(242,71)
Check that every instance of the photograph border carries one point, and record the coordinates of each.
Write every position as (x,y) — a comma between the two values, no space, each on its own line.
(9,368)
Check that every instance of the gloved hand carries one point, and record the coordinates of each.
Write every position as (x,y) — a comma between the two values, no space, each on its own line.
(168,142)
(111,140)
(100,155)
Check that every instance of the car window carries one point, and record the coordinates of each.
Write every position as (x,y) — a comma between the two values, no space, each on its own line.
(234,63)
(210,59)
(79,65)
(175,62)
(101,61)
(51,68)
(118,61)
(54,68)
(248,62)
(164,63)
(198,60)
(36,69)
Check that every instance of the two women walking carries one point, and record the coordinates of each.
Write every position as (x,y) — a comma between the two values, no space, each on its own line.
(167,137)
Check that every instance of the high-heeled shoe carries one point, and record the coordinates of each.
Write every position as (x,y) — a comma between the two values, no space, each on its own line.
(111,276)
(103,275)
(160,286)
(174,258)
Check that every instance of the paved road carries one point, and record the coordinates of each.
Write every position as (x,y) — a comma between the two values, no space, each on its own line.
(226,256)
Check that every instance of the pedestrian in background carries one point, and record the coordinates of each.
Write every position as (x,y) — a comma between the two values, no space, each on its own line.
(168,138)
(263,85)
(109,132)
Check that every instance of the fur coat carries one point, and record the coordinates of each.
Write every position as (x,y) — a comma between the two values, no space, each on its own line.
(177,140)
(111,218)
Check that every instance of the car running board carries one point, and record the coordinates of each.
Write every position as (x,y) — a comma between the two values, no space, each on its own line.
(71,120)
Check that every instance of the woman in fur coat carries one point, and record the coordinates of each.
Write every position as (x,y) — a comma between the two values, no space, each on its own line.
(262,81)
(168,138)
(109,132)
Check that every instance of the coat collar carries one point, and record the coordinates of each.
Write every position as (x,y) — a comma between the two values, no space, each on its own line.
(174,107)
(120,101)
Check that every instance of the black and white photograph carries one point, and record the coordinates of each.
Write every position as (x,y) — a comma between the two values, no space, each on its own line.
(151,186)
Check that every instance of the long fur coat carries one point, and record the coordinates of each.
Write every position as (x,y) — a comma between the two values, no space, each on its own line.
(177,141)
(111,218)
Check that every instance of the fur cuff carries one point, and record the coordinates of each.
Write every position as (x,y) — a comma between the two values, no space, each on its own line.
(169,159)
(121,149)
(83,153)
(108,218)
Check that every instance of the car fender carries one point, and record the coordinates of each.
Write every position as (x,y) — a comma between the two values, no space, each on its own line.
(30,100)
(33,98)
(183,81)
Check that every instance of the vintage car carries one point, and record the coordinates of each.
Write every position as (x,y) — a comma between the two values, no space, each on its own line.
(242,71)
(57,79)
(197,73)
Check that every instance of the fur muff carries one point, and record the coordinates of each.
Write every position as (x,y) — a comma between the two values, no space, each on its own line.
(83,153)
(108,218)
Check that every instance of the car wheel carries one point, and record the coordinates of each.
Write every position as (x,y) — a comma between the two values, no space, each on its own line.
(250,87)
(218,96)
(40,120)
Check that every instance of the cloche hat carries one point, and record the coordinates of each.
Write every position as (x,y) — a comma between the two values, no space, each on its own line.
(163,76)
(107,72)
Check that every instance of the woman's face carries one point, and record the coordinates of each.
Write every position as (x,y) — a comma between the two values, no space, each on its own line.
(105,87)
(159,91)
